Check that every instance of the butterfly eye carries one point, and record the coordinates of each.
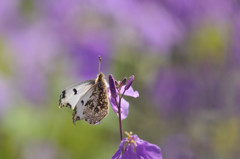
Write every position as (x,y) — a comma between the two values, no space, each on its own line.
(82,102)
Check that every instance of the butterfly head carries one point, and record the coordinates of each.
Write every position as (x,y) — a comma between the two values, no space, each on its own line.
(100,77)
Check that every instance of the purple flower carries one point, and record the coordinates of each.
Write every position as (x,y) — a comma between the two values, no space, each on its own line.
(124,107)
(132,147)
(113,96)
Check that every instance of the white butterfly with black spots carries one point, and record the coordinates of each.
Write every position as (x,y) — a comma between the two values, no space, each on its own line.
(88,100)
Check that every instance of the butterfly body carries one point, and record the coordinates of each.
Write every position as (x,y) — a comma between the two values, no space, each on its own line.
(88,100)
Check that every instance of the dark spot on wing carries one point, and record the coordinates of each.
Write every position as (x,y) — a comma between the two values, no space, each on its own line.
(69,105)
(75,91)
(82,102)
(63,94)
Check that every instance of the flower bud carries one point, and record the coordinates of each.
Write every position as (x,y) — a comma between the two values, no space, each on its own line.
(130,81)
(112,86)
(123,82)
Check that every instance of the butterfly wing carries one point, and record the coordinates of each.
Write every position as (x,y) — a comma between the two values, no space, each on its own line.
(90,95)
(93,105)
(70,96)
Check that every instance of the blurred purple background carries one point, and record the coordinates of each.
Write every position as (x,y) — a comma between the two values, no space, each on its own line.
(185,55)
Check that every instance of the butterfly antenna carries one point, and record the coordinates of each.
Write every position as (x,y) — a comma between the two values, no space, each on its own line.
(99,64)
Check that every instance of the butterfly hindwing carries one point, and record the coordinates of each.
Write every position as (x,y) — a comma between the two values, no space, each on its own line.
(84,100)
(93,105)
(71,95)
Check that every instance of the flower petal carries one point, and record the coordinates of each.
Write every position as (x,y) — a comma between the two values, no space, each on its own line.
(148,150)
(130,92)
(129,153)
(113,104)
(119,151)
(124,107)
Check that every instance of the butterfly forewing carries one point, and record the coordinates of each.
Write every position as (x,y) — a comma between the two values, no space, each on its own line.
(71,95)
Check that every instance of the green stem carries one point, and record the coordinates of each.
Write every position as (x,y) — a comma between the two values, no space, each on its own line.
(119,112)
(119,117)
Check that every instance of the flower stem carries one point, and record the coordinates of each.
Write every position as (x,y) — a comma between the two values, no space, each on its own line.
(119,117)
(119,111)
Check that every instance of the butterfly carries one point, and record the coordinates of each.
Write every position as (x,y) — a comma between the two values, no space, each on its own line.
(88,99)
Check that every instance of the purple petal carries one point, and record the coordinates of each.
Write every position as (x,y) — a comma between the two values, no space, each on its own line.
(124,107)
(130,92)
(112,86)
(113,104)
(130,154)
(130,81)
(119,151)
(148,150)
